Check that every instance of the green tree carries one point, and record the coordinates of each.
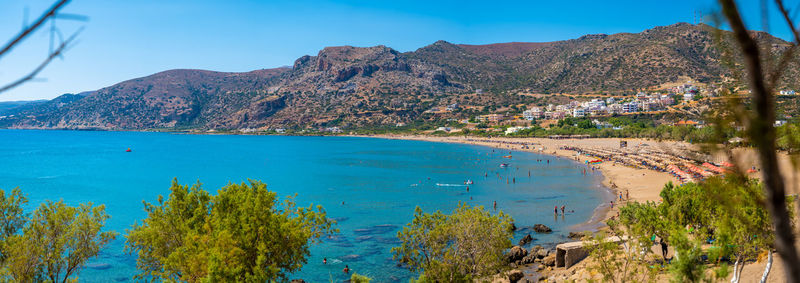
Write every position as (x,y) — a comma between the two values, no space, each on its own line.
(56,242)
(12,218)
(243,234)
(357,278)
(458,247)
(619,261)
(725,212)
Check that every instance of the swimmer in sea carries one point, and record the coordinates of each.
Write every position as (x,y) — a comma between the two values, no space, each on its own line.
(495,205)
(324,260)
(346,269)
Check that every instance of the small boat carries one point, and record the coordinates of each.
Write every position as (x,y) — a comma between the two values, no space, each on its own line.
(128,150)
(507,156)
(468,182)
(503,165)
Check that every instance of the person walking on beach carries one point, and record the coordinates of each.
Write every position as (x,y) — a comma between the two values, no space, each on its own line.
(664,249)
(627,194)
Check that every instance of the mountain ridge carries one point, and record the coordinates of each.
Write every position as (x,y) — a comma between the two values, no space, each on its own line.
(377,85)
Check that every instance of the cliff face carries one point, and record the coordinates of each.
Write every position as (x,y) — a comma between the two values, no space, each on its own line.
(354,86)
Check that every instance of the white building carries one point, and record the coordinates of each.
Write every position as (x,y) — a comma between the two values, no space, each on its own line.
(537,112)
(527,115)
(578,112)
(533,113)
(596,103)
(511,130)
(630,107)
(614,109)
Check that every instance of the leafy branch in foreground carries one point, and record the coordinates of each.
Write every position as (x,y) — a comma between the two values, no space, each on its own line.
(760,129)
(464,245)
(243,234)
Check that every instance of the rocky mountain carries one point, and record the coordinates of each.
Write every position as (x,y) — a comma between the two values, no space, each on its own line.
(358,86)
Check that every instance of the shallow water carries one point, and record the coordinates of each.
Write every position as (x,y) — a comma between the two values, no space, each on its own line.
(380,182)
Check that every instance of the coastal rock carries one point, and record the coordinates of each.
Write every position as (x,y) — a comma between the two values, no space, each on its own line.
(515,275)
(550,260)
(516,253)
(528,259)
(297,281)
(525,240)
(541,228)
(541,253)
(99,266)
(350,257)
(535,249)
(576,235)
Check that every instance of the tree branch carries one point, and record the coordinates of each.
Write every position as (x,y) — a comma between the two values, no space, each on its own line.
(789,54)
(762,134)
(56,53)
(30,29)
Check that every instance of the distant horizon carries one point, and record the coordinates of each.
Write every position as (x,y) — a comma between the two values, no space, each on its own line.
(124,41)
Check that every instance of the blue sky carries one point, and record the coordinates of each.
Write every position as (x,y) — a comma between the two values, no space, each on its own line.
(127,39)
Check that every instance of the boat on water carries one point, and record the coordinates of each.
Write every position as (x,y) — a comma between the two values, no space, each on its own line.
(507,156)
(128,150)
(468,182)
(503,165)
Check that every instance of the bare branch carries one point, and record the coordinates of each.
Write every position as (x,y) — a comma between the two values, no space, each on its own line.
(789,54)
(762,134)
(30,29)
(56,53)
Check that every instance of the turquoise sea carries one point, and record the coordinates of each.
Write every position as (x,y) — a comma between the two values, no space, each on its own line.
(380,182)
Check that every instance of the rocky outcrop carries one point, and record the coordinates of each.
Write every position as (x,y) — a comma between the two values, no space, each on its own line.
(525,240)
(542,253)
(541,228)
(549,260)
(516,253)
(515,275)
(528,259)
(576,235)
